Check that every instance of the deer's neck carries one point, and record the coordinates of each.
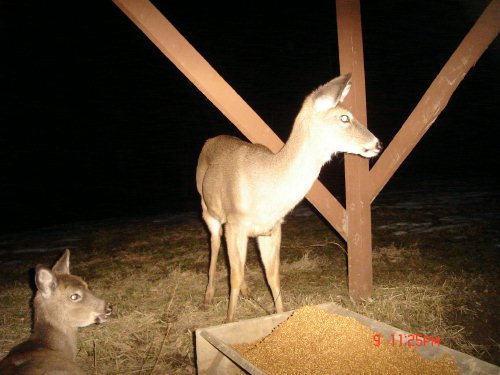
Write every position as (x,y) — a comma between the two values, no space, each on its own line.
(54,335)
(298,163)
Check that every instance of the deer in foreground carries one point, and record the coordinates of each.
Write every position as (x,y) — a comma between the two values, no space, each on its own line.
(62,303)
(249,189)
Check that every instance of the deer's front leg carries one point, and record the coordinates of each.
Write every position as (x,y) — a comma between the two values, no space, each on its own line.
(269,247)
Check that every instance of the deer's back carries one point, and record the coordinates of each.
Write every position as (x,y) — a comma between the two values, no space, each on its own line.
(214,155)
(236,181)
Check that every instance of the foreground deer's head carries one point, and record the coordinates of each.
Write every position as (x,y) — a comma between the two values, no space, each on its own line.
(332,127)
(65,299)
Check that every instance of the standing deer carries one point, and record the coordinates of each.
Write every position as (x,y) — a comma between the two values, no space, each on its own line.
(249,189)
(62,303)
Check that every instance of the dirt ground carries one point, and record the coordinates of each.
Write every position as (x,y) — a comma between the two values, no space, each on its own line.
(433,274)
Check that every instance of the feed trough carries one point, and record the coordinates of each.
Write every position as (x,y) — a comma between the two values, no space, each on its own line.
(216,354)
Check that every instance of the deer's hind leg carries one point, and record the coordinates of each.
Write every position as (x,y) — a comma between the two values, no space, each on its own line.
(215,229)
(237,241)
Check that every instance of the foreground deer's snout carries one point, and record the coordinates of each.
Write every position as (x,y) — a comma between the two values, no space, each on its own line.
(101,318)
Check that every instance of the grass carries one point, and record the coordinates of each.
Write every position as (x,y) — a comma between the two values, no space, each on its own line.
(155,275)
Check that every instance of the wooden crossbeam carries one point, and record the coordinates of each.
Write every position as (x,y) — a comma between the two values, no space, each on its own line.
(435,99)
(178,50)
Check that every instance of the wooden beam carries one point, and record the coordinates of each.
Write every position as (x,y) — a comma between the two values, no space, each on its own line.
(358,209)
(435,99)
(176,48)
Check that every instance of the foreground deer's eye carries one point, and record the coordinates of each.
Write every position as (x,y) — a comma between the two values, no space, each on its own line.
(345,119)
(75,297)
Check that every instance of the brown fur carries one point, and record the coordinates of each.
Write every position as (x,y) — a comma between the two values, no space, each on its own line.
(62,303)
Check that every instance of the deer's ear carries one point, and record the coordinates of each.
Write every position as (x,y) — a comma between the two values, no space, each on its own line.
(62,265)
(331,93)
(45,280)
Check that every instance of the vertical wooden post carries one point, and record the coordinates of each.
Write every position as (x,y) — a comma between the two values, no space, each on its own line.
(358,208)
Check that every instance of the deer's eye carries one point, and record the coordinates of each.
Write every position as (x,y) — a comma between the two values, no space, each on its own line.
(75,297)
(345,119)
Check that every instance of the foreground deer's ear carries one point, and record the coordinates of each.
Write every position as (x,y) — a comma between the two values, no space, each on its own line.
(45,280)
(332,93)
(62,265)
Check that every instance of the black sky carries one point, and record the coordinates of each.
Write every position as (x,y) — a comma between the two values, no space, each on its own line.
(96,122)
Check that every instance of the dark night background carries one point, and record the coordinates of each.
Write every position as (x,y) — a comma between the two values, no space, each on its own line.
(95,122)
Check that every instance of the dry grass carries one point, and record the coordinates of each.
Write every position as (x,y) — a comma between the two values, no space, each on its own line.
(155,275)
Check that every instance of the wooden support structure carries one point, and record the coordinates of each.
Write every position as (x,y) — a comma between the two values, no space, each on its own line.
(362,184)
